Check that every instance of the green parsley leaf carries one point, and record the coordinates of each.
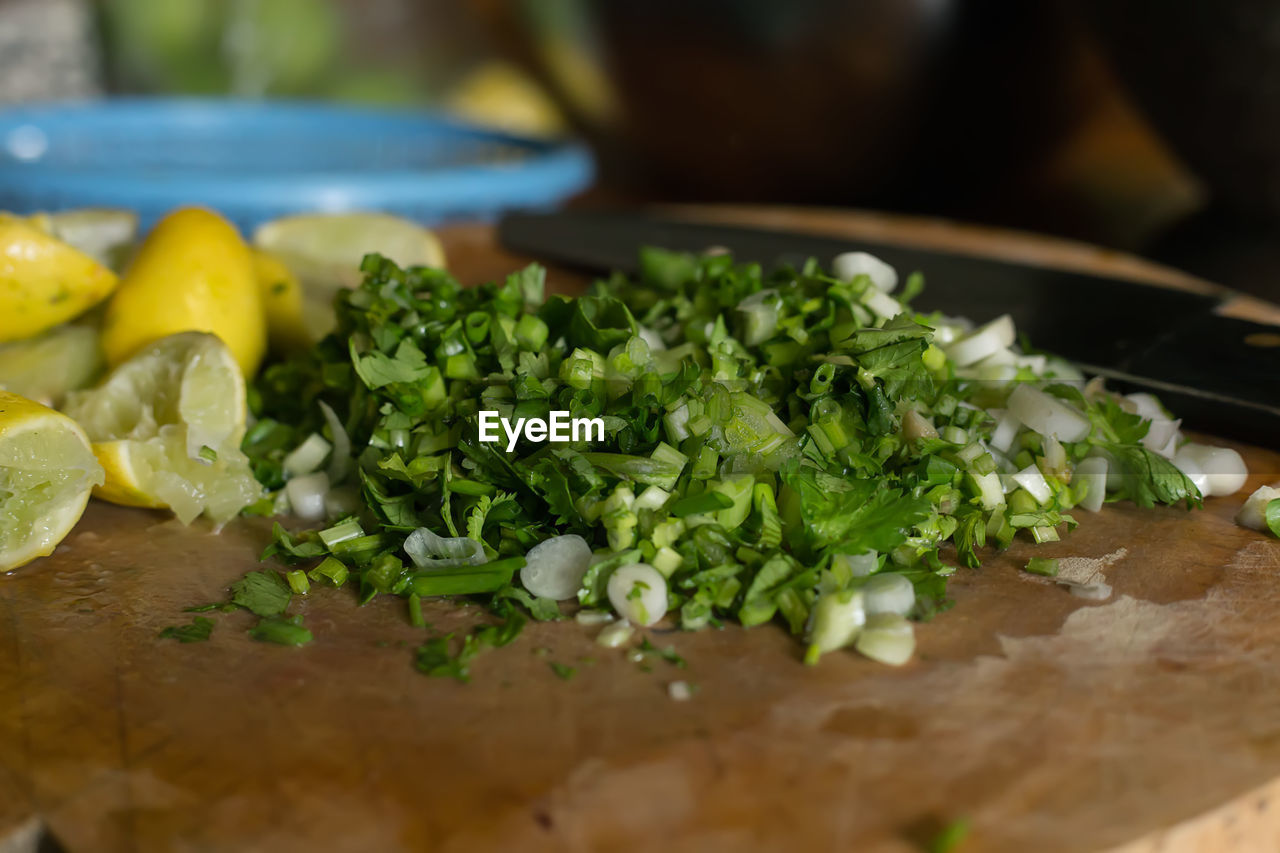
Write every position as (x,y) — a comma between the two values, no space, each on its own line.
(1149,478)
(263,593)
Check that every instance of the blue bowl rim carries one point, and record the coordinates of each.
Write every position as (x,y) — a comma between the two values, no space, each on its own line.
(553,166)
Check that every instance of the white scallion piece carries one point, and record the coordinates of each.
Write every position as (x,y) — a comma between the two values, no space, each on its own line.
(1162,437)
(857,565)
(1048,415)
(916,425)
(881,303)
(990,490)
(1007,426)
(1036,363)
(889,592)
(1188,463)
(950,329)
(593,617)
(430,551)
(1171,446)
(554,567)
(652,338)
(1223,469)
(1092,472)
(615,634)
(306,457)
(836,620)
(1055,455)
(638,592)
(1254,512)
(1147,406)
(982,341)
(887,638)
(1004,355)
(340,458)
(680,691)
(849,265)
(1034,482)
(998,374)
(306,495)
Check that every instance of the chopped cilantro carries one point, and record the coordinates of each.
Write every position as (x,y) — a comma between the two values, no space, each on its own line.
(198,631)
(263,593)
(563,671)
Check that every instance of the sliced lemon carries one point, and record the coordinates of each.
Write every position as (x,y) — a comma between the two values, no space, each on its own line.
(324,251)
(46,367)
(192,273)
(282,303)
(166,426)
(46,473)
(43,281)
(104,234)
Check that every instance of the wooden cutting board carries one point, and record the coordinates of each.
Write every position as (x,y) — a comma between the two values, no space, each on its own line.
(1146,722)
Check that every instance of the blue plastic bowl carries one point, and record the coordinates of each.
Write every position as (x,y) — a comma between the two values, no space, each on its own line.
(257,160)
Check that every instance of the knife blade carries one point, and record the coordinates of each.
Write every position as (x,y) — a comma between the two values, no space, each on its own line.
(1220,374)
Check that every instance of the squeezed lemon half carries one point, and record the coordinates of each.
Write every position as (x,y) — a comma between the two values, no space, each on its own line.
(47,471)
(324,251)
(166,426)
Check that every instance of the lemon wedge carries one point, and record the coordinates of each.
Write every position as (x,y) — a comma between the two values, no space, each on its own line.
(282,303)
(104,234)
(166,426)
(46,367)
(324,251)
(43,281)
(192,273)
(46,473)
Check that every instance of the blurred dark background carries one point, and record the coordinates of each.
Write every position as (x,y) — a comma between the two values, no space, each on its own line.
(1143,125)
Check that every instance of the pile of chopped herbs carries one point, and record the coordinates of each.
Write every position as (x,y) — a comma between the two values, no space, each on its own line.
(771,445)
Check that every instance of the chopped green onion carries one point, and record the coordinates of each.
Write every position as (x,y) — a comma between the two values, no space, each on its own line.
(284,631)
(298,581)
(330,569)
(1043,566)
(343,531)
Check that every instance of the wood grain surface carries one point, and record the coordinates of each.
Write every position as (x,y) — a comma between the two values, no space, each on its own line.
(1147,722)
